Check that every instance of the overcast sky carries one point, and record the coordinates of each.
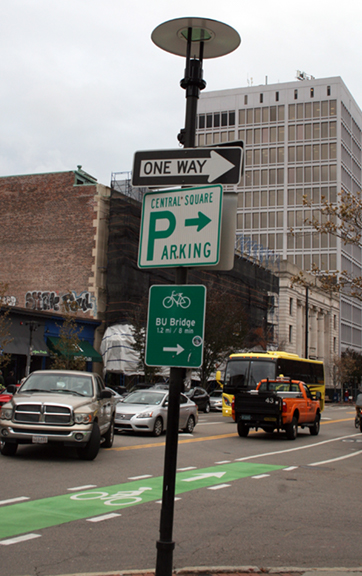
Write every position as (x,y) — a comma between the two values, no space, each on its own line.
(81,82)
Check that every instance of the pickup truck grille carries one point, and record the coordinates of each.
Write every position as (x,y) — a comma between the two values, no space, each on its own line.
(43,413)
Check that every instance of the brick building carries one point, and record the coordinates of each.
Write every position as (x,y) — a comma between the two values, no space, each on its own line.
(53,237)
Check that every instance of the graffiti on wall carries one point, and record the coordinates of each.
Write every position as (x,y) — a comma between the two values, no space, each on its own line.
(8,300)
(71,302)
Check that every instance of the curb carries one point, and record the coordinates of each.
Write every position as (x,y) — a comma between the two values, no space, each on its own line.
(236,570)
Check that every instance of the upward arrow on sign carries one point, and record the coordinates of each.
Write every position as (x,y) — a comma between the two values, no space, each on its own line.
(187,166)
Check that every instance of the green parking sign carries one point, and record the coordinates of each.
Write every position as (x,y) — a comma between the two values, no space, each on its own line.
(175,326)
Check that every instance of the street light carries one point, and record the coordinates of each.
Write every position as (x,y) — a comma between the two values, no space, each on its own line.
(195,39)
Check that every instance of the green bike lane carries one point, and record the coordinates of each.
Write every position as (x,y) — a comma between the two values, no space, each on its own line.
(24,517)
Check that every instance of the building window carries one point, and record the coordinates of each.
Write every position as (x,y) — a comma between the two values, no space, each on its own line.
(202,121)
(290,334)
(216,120)
(245,100)
(232,118)
(295,94)
(261,98)
(209,121)
(224,118)
(290,306)
(328,90)
(312,92)
(276,96)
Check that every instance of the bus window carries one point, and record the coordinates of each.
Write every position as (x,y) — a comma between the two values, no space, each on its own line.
(260,370)
(237,373)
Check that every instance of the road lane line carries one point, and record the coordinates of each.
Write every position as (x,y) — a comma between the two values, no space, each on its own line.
(13,500)
(140,477)
(186,469)
(19,539)
(103,517)
(336,459)
(203,439)
(219,487)
(85,487)
(260,476)
(290,468)
(277,452)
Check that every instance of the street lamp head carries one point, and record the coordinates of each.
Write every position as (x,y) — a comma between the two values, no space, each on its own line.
(174,35)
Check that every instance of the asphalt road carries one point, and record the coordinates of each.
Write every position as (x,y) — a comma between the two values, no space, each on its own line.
(261,500)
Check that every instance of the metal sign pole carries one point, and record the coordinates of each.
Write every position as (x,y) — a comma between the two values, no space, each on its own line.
(184,36)
(192,83)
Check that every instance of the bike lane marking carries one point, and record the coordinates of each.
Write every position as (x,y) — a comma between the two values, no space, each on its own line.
(34,515)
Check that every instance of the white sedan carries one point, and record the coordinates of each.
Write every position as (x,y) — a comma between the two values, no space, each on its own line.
(146,411)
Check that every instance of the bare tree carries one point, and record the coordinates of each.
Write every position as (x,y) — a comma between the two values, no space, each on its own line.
(68,353)
(343,220)
(5,324)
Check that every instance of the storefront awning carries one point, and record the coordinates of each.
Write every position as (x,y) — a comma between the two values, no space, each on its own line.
(20,335)
(84,349)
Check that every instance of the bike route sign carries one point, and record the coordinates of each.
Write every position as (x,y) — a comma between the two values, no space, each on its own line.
(175,327)
(181,227)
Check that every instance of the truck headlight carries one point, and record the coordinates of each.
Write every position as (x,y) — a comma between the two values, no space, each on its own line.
(83,418)
(6,413)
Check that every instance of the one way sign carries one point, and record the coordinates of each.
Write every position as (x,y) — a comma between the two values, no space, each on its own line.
(187,166)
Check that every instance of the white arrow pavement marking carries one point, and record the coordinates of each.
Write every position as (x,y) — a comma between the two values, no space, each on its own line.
(217,166)
(203,476)
(178,349)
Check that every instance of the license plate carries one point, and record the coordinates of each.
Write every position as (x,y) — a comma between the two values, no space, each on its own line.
(245,417)
(39,439)
(269,419)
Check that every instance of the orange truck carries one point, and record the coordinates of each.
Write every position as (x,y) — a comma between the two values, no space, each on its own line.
(281,404)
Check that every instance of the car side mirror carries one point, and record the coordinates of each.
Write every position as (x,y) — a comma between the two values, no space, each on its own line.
(11,389)
(106,394)
(318,396)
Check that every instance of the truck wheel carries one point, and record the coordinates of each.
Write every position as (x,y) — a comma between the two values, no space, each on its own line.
(90,451)
(314,430)
(109,436)
(243,429)
(8,448)
(292,429)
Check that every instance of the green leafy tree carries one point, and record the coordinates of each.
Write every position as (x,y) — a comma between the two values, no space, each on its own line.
(68,354)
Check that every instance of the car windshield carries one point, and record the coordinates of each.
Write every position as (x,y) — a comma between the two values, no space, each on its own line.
(78,385)
(145,397)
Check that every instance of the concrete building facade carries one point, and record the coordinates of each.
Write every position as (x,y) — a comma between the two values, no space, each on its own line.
(301,139)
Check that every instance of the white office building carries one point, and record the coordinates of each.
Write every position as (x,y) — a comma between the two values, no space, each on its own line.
(301,138)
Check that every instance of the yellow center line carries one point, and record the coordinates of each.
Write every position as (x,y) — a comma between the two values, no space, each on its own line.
(203,439)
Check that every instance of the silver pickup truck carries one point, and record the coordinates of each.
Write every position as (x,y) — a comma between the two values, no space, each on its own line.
(58,406)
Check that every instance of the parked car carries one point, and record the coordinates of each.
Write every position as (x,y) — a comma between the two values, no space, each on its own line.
(6,395)
(146,411)
(200,397)
(216,400)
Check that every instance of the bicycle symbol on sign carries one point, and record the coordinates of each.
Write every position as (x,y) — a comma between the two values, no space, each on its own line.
(178,299)
(121,498)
